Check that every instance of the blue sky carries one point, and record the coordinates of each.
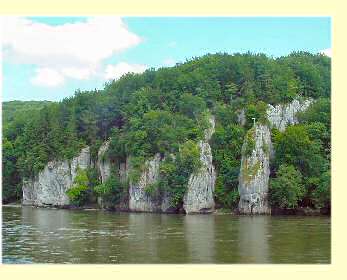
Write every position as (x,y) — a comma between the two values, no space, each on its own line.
(48,58)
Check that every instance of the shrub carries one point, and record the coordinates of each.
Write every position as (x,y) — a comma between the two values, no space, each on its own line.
(257,111)
(321,194)
(153,190)
(228,198)
(78,194)
(112,191)
(249,143)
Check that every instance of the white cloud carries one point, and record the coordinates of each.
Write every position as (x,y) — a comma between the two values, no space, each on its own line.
(327,52)
(47,77)
(72,50)
(169,62)
(116,71)
(78,73)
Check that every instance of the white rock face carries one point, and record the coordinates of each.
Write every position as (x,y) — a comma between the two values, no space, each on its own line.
(280,116)
(82,161)
(199,195)
(241,117)
(103,162)
(255,170)
(254,173)
(139,200)
(50,185)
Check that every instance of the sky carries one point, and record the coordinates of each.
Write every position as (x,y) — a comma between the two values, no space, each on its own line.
(49,58)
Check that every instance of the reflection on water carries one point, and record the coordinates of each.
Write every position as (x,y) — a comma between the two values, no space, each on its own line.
(253,239)
(33,235)
(199,235)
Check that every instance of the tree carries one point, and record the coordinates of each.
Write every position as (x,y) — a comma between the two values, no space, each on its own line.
(321,195)
(175,171)
(191,106)
(226,149)
(257,111)
(294,147)
(10,176)
(159,111)
(286,189)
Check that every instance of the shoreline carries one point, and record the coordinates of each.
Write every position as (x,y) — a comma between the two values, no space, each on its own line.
(302,211)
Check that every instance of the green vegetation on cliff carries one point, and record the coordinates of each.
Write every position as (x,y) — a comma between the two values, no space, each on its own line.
(78,193)
(162,110)
(306,146)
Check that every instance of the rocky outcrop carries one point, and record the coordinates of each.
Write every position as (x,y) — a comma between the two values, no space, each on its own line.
(106,168)
(49,187)
(103,162)
(199,195)
(280,116)
(140,200)
(255,171)
(256,153)
(241,117)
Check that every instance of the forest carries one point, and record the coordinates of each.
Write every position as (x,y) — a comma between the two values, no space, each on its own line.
(165,111)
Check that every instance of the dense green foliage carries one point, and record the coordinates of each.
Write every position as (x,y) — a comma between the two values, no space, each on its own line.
(15,115)
(175,172)
(306,146)
(286,189)
(165,111)
(226,146)
(78,193)
(112,191)
(18,111)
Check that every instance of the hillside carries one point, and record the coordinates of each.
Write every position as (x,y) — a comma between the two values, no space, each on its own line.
(166,112)
(19,111)
(10,109)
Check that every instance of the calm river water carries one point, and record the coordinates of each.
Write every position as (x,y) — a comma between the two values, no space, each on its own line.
(34,235)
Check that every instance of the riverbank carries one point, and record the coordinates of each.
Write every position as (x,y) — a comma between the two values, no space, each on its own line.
(301,211)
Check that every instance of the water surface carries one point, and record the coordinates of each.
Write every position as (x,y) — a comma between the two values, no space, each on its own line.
(36,235)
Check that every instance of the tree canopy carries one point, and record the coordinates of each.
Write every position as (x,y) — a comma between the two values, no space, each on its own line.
(165,109)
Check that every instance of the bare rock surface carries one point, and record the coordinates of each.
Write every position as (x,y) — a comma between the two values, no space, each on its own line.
(199,195)
(282,115)
(139,199)
(103,162)
(255,171)
(49,187)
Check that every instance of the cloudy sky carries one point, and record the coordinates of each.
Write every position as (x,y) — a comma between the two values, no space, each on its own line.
(48,58)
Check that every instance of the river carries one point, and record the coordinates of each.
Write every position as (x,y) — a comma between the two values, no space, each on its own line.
(38,235)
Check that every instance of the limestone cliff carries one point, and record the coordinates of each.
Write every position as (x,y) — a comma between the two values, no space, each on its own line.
(139,199)
(50,185)
(241,117)
(103,162)
(106,168)
(255,171)
(256,153)
(282,115)
(199,195)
